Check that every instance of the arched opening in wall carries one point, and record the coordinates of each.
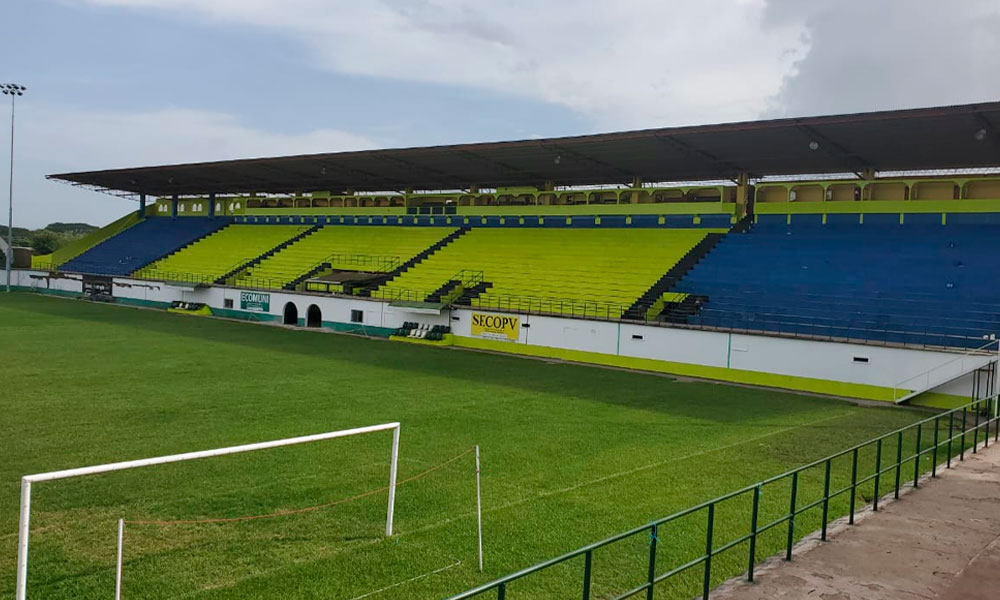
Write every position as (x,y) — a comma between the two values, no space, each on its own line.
(314,318)
(291,314)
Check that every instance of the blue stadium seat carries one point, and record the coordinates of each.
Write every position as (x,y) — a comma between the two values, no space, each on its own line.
(919,283)
(142,244)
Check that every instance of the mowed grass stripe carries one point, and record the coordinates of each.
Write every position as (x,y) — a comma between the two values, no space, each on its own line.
(93,383)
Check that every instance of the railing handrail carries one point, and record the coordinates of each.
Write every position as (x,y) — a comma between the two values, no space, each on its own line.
(151,273)
(778,319)
(394,293)
(238,266)
(468,277)
(992,356)
(360,259)
(993,400)
(165,275)
(499,299)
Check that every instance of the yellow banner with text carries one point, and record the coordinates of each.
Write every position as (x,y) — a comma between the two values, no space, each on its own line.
(496,327)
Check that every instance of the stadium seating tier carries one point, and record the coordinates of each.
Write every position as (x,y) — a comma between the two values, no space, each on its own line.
(221,252)
(921,284)
(344,247)
(142,244)
(554,270)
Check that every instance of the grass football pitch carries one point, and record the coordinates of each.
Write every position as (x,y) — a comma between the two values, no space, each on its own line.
(570,454)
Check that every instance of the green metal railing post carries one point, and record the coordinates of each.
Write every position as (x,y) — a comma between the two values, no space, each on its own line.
(707,584)
(899,461)
(975,430)
(502,591)
(753,532)
(986,414)
(588,563)
(651,571)
(878,472)
(854,483)
(937,424)
(826,498)
(951,434)
(961,449)
(791,516)
(916,460)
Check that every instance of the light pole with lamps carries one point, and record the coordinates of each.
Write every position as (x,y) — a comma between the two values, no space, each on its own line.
(13,90)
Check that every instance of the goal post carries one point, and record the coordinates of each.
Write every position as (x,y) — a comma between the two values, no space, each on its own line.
(28,480)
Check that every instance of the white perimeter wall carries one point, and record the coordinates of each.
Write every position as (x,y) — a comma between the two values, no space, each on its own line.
(334,310)
(833,361)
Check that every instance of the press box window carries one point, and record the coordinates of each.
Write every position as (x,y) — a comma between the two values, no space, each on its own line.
(357,316)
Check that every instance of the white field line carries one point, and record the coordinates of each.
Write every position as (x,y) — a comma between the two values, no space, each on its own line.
(623,473)
(410,580)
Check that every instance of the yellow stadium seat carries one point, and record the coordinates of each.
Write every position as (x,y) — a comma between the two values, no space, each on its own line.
(344,247)
(218,254)
(588,272)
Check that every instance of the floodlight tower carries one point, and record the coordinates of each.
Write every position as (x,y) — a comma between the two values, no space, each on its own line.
(13,90)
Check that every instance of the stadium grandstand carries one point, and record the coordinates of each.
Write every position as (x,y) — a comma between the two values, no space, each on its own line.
(863,230)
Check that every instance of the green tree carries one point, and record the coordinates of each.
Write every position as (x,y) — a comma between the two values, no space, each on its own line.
(45,241)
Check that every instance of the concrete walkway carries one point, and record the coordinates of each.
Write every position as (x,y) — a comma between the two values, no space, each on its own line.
(939,541)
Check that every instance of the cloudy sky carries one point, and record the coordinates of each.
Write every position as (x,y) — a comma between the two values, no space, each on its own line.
(116,83)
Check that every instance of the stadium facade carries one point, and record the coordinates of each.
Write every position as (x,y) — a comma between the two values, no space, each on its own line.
(849,255)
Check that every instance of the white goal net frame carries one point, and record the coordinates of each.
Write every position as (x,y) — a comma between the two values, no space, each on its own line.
(28,480)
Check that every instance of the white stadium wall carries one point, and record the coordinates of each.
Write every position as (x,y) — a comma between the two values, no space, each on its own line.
(847,369)
(861,364)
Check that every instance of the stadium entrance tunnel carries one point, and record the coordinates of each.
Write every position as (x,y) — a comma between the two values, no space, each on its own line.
(314,317)
(291,314)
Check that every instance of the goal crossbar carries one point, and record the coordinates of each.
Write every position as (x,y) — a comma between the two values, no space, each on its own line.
(28,480)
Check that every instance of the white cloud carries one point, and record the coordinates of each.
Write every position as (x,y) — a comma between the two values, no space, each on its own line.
(871,55)
(58,140)
(630,63)
(82,140)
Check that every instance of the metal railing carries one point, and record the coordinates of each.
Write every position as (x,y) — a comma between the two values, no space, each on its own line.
(258,283)
(819,328)
(924,437)
(178,276)
(147,273)
(468,277)
(382,263)
(463,280)
(400,294)
(590,309)
(947,371)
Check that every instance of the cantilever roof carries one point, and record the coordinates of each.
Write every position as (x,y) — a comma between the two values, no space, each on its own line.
(948,137)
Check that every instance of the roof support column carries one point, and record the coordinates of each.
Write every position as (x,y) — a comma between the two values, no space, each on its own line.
(142,206)
(742,195)
(211,205)
(173,206)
